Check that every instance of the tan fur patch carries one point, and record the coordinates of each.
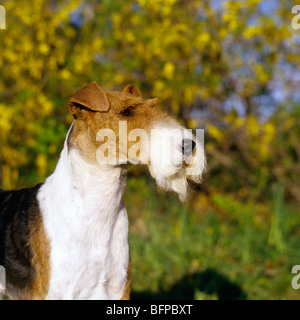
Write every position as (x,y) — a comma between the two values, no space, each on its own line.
(40,261)
(126,293)
(88,124)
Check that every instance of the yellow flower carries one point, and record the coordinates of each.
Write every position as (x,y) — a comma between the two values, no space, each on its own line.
(65,74)
(203,39)
(252,126)
(215,132)
(168,70)
(41,162)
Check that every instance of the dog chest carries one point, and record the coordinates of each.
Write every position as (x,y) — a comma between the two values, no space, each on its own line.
(89,244)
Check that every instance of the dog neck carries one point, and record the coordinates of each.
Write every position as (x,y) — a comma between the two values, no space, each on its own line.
(97,187)
(78,192)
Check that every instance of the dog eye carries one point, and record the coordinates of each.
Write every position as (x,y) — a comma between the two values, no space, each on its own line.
(128,112)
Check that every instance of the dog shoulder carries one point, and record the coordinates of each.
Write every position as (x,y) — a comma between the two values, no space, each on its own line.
(21,239)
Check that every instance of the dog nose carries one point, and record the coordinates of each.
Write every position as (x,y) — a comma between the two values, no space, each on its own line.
(188,146)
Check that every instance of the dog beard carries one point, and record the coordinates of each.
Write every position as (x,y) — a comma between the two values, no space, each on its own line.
(172,167)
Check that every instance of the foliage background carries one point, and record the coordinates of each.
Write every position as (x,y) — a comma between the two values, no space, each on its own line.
(230,67)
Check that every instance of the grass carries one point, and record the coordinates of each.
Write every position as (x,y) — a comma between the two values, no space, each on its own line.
(212,247)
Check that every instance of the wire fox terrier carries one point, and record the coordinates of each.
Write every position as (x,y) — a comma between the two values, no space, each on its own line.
(68,237)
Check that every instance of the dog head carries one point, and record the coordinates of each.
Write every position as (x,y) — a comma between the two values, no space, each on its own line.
(115,128)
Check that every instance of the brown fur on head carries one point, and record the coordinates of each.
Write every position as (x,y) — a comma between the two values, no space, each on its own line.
(94,109)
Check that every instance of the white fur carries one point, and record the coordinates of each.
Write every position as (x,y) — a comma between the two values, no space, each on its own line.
(168,165)
(87,225)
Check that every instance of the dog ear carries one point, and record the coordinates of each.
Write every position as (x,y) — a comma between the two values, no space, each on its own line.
(153,102)
(90,97)
(133,90)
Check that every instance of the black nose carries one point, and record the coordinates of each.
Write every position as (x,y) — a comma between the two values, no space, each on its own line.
(188,147)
